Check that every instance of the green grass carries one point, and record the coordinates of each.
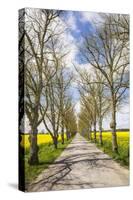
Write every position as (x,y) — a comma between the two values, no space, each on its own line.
(47,154)
(122,156)
(123,146)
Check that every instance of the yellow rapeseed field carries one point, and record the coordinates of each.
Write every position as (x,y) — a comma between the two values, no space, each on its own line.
(121,136)
(123,146)
(42,138)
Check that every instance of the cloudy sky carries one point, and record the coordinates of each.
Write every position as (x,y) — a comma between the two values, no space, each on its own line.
(78,24)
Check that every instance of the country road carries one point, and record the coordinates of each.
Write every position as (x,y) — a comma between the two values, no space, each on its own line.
(81,165)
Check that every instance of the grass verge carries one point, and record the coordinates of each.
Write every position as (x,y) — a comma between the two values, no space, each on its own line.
(47,154)
(123,146)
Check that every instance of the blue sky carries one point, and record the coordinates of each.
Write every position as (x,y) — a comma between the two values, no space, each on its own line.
(77,27)
(81,27)
(79,24)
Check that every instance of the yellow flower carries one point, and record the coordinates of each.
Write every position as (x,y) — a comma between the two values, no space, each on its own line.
(41,139)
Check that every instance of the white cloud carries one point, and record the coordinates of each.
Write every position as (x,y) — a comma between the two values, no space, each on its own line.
(88,16)
(77,107)
(92,17)
(86,66)
(67,39)
(122,118)
(71,21)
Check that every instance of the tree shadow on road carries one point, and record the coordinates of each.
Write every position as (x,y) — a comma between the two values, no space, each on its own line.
(58,170)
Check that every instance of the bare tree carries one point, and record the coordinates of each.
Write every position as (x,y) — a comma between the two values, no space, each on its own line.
(21,66)
(53,113)
(56,89)
(90,103)
(93,96)
(109,55)
(88,93)
(38,33)
(64,82)
(21,96)
(102,101)
(70,119)
(60,113)
(85,120)
(120,25)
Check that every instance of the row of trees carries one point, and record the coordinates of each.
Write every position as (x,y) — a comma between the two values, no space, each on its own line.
(103,89)
(45,77)
(94,103)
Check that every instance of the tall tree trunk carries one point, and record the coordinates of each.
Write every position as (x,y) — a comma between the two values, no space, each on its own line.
(89,134)
(62,137)
(21,165)
(33,159)
(95,136)
(67,134)
(113,128)
(55,140)
(100,132)
(62,132)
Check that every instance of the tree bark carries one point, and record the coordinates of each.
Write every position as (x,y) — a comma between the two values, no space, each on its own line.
(55,140)
(62,132)
(33,159)
(62,136)
(89,134)
(95,136)
(67,134)
(100,132)
(113,128)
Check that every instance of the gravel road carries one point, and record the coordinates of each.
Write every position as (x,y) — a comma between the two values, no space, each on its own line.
(81,165)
